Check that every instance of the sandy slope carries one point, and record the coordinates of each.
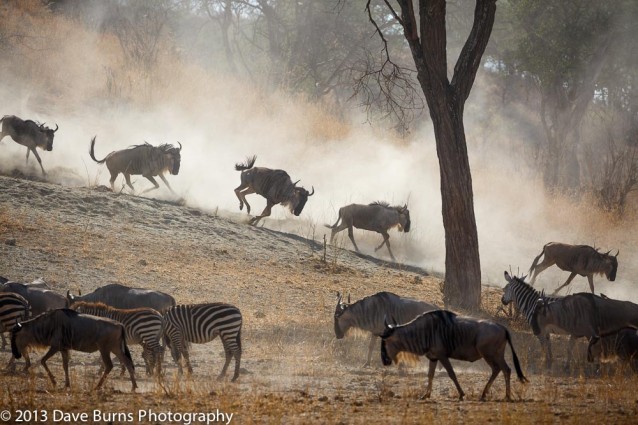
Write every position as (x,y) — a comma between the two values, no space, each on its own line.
(293,368)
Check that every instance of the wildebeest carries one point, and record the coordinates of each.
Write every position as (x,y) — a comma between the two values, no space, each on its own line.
(201,323)
(146,159)
(143,326)
(13,308)
(577,259)
(441,335)
(622,345)
(28,133)
(39,299)
(63,330)
(378,217)
(120,296)
(274,185)
(368,314)
(582,315)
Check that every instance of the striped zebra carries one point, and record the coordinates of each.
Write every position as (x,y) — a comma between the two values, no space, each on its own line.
(525,298)
(142,325)
(201,323)
(13,308)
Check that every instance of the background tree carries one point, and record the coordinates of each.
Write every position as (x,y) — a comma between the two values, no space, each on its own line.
(446,101)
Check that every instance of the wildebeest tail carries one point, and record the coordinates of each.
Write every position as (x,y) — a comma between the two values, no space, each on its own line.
(334,225)
(535,262)
(127,353)
(247,165)
(517,365)
(91,152)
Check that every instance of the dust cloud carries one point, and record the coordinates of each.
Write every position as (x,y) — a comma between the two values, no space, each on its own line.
(220,121)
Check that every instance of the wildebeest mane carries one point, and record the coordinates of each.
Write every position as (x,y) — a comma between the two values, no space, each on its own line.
(386,205)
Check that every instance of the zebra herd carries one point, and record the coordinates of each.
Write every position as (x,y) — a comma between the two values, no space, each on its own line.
(81,324)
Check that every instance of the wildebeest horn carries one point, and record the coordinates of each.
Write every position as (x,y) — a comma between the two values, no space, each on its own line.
(56,128)
(295,183)
(313,191)
(617,253)
(338,297)
(607,253)
(348,298)
(180,146)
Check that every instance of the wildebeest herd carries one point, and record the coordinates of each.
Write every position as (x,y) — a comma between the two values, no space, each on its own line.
(113,316)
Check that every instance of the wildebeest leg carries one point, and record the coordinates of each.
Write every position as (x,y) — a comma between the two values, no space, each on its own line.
(351,236)
(570,351)
(590,279)
(65,366)
(108,366)
(44,359)
(242,196)
(448,367)
(36,157)
(128,181)
(166,183)
(495,371)
(126,362)
(152,180)
(547,347)
(569,280)
(338,229)
(386,241)
(373,339)
(264,213)
(545,264)
(431,371)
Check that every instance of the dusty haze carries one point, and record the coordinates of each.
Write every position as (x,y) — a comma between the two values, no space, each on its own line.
(220,120)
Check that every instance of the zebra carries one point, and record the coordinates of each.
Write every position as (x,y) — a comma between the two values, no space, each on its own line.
(13,308)
(525,298)
(143,326)
(441,335)
(368,313)
(201,323)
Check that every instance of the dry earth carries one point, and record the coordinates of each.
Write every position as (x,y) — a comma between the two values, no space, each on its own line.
(293,369)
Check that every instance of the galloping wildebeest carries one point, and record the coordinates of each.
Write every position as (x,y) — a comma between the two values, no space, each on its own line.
(577,259)
(378,217)
(143,326)
(65,330)
(581,315)
(120,296)
(274,185)
(441,335)
(146,159)
(368,314)
(622,345)
(28,133)
(39,299)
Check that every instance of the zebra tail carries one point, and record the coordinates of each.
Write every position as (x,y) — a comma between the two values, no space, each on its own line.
(535,262)
(517,365)
(127,353)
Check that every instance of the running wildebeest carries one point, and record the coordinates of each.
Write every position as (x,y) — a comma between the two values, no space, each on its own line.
(621,345)
(146,159)
(368,314)
(577,259)
(39,299)
(28,133)
(64,330)
(124,297)
(441,335)
(274,185)
(378,217)
(581,315)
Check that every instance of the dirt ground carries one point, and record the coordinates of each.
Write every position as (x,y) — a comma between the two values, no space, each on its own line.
(293,368)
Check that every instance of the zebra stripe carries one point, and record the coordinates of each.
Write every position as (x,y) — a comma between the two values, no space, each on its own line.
(143,326)
(201,323)
(524,297)
(13,307)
